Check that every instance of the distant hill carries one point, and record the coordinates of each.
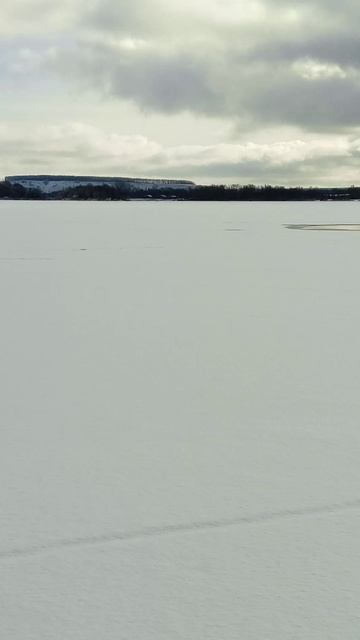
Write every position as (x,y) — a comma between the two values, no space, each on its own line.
(51,184)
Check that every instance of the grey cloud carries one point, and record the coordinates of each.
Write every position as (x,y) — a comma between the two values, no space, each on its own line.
(263,92)
(155,79)
(338,47)
(169,57)
(224,71)
(129,17)
(325,171)
(322,104)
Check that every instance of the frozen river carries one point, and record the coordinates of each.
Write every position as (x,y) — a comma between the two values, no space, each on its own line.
(180,421)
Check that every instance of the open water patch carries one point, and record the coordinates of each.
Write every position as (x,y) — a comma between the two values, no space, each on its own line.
(324,227)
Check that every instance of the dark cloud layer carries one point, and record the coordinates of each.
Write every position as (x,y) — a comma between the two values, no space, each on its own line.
(288,67)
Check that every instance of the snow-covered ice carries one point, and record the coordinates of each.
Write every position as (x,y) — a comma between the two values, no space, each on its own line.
(180,442)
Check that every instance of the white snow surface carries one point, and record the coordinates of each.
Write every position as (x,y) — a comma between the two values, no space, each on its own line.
(180,442)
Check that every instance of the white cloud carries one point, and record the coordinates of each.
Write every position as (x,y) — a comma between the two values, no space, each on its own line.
(80,148)
(316,70)
(18,17)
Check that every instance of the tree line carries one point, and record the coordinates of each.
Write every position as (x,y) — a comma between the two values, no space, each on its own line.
(247,192)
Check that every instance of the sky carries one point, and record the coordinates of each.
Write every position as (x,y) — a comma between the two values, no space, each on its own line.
(233,91)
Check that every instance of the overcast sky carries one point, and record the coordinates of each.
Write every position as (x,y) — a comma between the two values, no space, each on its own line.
(212,90)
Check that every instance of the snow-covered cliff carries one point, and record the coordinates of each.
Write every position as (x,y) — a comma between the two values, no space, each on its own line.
(51,184)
